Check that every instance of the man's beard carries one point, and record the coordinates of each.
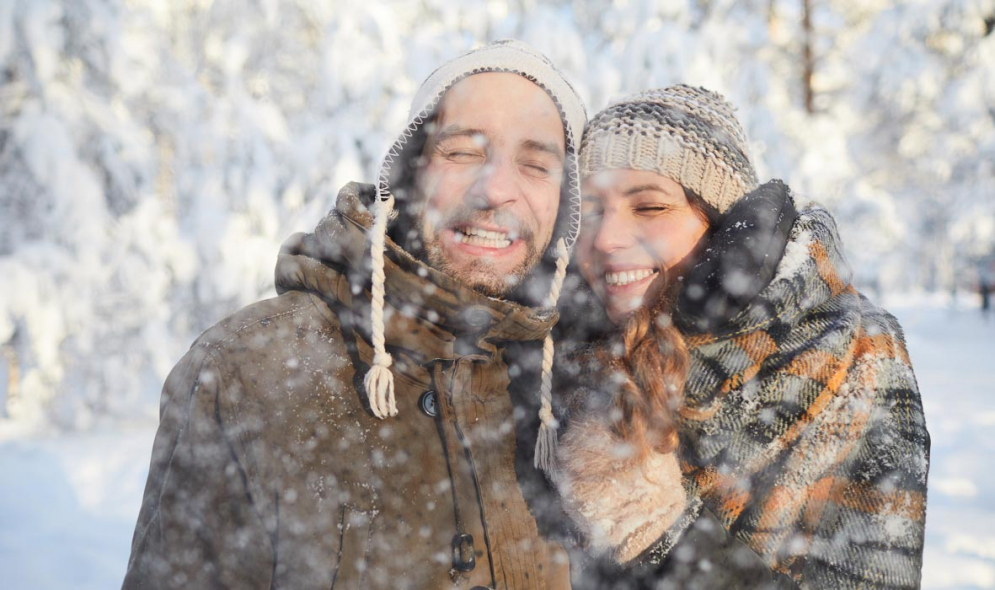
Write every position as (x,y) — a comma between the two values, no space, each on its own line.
(479,273)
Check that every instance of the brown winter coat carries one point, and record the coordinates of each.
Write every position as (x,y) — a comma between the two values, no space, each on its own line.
(269,471)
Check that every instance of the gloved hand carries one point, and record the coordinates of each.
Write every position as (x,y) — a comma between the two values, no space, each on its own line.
(620,502)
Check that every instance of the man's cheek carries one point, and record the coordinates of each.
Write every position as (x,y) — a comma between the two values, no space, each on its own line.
(432,184)
(548,222)
(433,218)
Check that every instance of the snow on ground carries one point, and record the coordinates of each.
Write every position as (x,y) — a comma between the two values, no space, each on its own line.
(68,506)
(68,502)
(953,352)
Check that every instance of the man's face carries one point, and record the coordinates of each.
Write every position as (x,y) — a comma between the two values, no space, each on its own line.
(491,181)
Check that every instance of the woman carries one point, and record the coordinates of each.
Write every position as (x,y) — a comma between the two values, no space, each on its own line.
(743,360)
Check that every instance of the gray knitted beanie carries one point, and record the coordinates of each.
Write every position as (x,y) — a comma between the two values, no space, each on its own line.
(687,134)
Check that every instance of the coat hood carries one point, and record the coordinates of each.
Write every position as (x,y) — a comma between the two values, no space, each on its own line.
(512,56)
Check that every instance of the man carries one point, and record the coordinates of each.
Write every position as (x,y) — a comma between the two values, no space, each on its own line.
(272,467)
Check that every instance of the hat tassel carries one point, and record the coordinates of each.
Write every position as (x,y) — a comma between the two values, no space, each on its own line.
(379,381)
(545,451)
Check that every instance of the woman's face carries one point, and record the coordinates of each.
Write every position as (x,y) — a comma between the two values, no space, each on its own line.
(635,224)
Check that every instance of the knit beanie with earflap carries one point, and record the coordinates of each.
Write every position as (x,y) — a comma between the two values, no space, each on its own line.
(687,134)
(502,56)
(691,135)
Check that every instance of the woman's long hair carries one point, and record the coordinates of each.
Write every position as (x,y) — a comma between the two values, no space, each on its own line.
(651,359)
(650,363)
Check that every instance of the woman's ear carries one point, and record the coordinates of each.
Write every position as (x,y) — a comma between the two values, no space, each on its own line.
(740,260)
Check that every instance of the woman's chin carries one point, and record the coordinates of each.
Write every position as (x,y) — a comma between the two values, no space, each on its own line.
(621,302)
(619,311)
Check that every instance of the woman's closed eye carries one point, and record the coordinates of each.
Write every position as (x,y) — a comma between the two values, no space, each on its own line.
(589,213)
(651,209)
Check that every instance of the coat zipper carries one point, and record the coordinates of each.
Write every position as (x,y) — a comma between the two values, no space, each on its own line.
(447,417)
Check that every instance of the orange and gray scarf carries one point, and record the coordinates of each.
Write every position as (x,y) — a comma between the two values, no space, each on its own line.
(803,429)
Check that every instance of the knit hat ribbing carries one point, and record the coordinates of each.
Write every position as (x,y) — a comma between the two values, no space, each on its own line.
(688,134)
(501,56)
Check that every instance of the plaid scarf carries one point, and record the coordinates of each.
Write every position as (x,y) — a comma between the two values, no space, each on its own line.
(804,430)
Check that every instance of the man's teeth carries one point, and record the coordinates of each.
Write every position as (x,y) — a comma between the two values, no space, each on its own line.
(474,236)
(628,276)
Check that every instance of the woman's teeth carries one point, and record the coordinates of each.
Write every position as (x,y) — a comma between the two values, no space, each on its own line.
(628,276)
(481,237)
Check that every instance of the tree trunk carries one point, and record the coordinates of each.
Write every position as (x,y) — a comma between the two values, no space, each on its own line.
(9,355)
(808,65)
(772,22)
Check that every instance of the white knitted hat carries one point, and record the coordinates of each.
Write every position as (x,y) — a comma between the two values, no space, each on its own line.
(690,135)
(502,56)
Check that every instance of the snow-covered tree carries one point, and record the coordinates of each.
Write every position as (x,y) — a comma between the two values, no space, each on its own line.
(153,155)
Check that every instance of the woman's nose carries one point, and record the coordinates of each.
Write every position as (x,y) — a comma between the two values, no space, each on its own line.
(616,231)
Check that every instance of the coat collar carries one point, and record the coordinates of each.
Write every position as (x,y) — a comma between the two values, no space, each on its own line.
(334,262)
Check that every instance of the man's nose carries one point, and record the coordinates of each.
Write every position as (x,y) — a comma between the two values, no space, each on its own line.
(496,186)
(614,232)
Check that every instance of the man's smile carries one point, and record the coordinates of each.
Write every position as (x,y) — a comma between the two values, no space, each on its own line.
(484,238)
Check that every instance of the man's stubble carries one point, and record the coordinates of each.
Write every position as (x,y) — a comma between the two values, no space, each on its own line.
(479,274)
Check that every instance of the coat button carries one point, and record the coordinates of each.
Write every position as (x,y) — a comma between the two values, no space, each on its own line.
(464,559)
(427,403)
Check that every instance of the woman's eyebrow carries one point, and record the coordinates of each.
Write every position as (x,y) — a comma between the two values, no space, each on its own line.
(645,187)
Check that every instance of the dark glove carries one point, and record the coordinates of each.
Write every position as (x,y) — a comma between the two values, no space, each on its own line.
(738,261)
(706,557)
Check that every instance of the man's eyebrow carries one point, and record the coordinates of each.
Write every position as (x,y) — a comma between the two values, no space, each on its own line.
(452,131)
(542,146)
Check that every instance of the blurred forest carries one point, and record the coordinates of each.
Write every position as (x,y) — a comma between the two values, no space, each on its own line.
(154,154)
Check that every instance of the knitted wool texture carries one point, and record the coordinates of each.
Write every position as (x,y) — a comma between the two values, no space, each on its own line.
(803,428)
(687,134)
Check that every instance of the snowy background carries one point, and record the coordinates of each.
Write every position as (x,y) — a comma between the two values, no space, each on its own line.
(154,154)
